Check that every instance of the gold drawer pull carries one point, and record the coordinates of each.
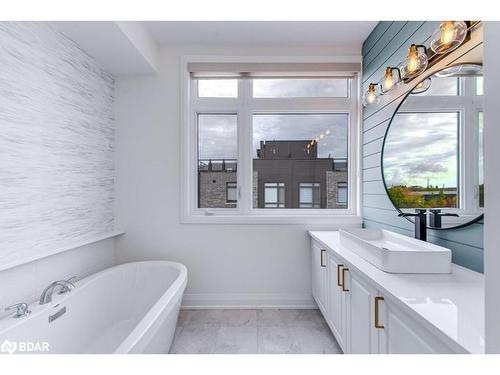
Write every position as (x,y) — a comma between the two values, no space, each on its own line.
(322,257)
(339,266)
(377,313)
(344,289)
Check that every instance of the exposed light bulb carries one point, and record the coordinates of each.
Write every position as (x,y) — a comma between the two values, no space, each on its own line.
(371,96)
(413,60)
(448,32)
(388,79)
(415,63)
(449,36)
(327,132)
(321,136)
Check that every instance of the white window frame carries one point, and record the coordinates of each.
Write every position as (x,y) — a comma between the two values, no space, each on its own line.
(191,106)
(467,105)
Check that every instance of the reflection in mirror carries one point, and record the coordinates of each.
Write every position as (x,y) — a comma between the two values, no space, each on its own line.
(433,148)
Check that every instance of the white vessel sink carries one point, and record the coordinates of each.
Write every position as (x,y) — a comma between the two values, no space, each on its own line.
(395,253)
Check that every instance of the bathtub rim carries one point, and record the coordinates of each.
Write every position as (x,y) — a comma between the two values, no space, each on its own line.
(159,305)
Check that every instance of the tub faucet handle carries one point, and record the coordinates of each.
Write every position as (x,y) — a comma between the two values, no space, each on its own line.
(21,309)
(71,284)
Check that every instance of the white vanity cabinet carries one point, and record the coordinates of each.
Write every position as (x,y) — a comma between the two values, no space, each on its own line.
(365,316)
(346,301)
(364,301)
(336,315)
(319,276)
(402,335)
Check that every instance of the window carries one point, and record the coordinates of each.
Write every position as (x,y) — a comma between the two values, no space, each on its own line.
(426,163)
(310,195)
(217,158)
(478,85)
(440,164)
(274,194)
(300,88)
(268,145)
(300,146)
(231,192)
(342,193)
(480,146)
(443,87)
(217,88)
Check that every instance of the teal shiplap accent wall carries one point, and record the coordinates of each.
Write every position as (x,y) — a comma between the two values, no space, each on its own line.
(387,45)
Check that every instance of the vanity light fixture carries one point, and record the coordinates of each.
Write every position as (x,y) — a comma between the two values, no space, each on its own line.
(415,63)
(390,79)
(372,94)
(449,36)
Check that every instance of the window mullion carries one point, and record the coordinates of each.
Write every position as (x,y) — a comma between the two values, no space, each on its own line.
(244,147)
(469,151)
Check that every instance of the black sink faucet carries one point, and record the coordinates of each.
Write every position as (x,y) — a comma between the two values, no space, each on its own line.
(435,218)
(420,222)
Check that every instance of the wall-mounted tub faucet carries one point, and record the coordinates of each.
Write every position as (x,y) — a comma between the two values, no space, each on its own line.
(65,286)
(21,309)
(420,216)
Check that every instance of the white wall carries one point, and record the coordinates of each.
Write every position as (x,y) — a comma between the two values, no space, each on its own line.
(492,182)
(56,160)
(228,265)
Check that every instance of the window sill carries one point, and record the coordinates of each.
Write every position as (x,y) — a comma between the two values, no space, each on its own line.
(337,219)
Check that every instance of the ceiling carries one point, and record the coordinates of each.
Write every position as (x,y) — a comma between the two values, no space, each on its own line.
(261,32)
(131,47)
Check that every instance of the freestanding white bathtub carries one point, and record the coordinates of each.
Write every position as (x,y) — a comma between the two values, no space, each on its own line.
(130,308)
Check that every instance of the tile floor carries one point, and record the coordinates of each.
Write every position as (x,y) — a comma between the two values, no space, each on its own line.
(253,332)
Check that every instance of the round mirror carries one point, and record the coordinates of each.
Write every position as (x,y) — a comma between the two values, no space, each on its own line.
(432,157)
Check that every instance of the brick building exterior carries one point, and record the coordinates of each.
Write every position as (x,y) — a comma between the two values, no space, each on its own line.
(289,163)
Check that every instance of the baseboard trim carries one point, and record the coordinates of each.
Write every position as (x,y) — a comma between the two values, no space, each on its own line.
(247,301)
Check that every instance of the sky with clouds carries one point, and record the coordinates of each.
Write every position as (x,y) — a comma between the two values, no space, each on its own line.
(421,147)
(217,134)
(330,129)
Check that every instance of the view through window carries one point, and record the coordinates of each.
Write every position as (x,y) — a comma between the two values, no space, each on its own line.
(430,140)
(300,150)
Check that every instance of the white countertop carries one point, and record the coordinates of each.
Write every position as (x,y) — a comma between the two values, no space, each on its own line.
(450,305)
